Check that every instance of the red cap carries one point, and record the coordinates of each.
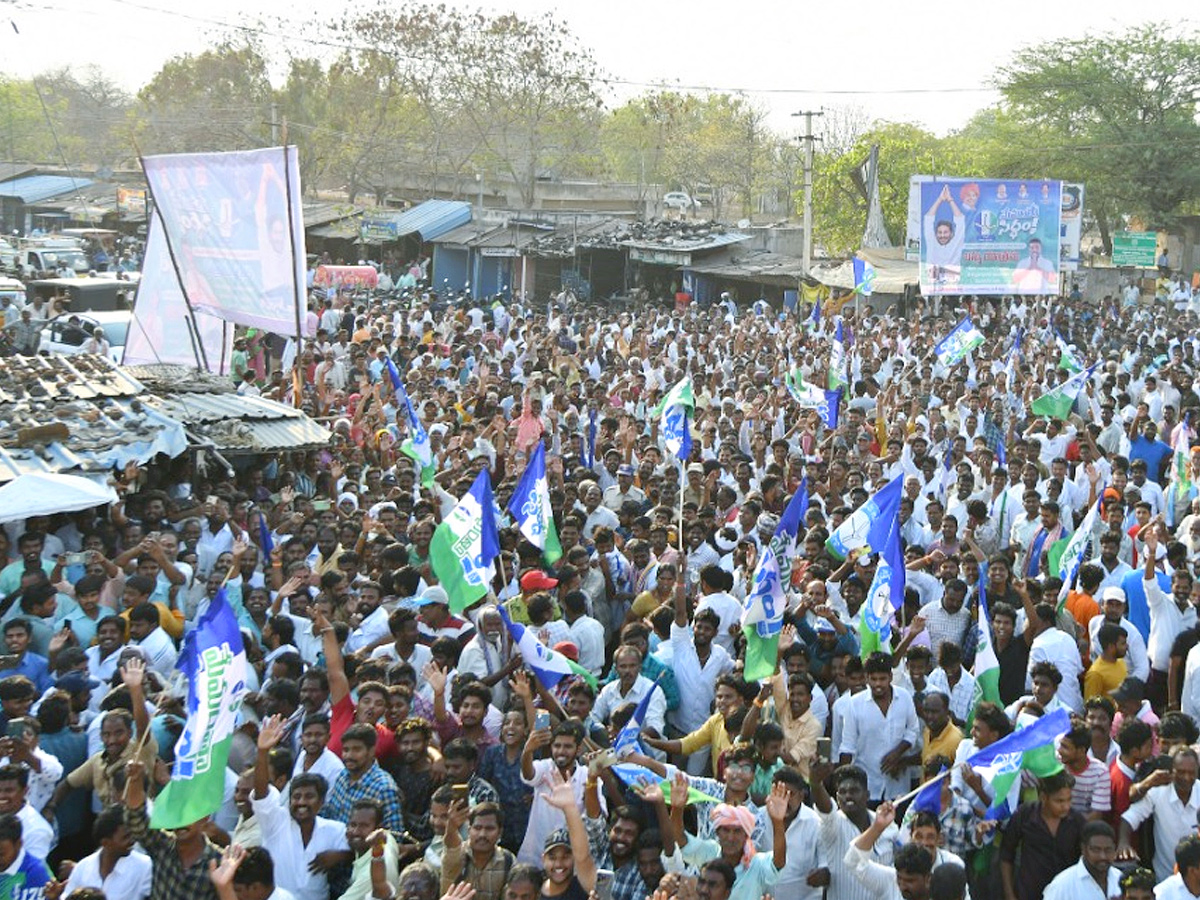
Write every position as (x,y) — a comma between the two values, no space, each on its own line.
(537,580)
(567,649)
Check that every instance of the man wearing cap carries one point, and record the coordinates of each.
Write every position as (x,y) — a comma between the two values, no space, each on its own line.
(532,582)
(624,489)
(434,619)
(1112,609)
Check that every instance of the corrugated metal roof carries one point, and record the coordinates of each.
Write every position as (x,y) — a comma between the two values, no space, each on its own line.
(36,188)
(323,212)
(433,218)
(345,230)
(684,244)
(100,406)
(236,423)
(464,235)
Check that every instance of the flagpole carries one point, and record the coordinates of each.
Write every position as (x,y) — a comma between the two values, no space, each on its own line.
(934,780)
(682,482)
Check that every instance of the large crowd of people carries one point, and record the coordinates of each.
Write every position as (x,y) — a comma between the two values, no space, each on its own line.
(390,746)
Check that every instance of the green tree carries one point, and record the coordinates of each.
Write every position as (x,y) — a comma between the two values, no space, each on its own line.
(1118,112)
(23,132)
(219,99)
(905,149)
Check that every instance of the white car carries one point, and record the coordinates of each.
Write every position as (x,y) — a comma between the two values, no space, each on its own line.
(679,200)
(66,334)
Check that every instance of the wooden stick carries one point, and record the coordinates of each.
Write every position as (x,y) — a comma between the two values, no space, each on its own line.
(934,780)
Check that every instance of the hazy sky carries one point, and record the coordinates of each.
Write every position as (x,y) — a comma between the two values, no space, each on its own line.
(921,61)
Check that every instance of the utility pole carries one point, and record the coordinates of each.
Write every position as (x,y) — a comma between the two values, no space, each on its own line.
(274,124)
(808,139)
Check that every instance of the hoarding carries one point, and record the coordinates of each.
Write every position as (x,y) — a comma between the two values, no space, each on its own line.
(1135,248)
(989,237)
(1070,232)
(233,225)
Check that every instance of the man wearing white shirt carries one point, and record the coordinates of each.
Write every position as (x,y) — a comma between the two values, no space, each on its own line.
(1112,607)
(1094,877)
(587,634)
(1185,883)
(116,868)
(1174,807)
(881,726)
(373,625)
(484,658)
(806,861)
(315,755)
(630,687)
(157,646)
(297,836)
(1170,615)
(697,662)
(1057,647)
(37,835)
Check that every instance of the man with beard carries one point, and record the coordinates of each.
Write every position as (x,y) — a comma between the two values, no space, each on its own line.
(315,756)
(473,702)
(483,657)
(544,817)
(305,846)
(376,856)
(482,864)
(414,769)
(363,779)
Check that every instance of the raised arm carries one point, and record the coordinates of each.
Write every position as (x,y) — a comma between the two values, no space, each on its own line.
(269,736)
(335,666)
(562,797)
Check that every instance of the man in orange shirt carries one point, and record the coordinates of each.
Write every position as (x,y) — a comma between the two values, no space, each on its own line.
(1081,603)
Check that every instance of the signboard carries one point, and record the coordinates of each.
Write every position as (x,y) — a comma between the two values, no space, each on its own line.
(660,257)
(1135,248)
(990,237)
(346,276)
(377,229)
(1070,231)
(131,202)
(235,234)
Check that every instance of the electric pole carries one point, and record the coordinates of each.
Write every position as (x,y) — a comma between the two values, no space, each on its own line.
(808,139)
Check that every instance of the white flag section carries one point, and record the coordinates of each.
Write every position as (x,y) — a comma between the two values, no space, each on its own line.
(160,331)
(237,240)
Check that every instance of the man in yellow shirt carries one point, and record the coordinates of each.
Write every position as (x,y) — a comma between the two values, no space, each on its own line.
(1108,670)
(941,737)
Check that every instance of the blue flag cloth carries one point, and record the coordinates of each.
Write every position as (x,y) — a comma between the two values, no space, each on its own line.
(964,338)
(864,277)
(530,507)
(627,737)
(884,596)
(677,434)
(791,522)
(265,544)
(871,524)
(549,666)
(588,456)
(814,318)
(417,446)
(929,799)
(831,409)
(213,661)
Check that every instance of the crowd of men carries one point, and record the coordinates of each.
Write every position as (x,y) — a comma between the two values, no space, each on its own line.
(391,747)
